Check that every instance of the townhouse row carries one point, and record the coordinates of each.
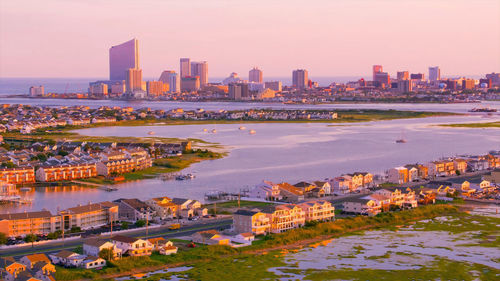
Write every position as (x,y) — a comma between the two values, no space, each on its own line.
(280,218)
(449,167)
(380,201)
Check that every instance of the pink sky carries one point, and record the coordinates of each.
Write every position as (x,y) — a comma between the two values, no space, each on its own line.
(60,38)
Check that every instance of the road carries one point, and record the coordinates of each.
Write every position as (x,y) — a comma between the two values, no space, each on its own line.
(157,232)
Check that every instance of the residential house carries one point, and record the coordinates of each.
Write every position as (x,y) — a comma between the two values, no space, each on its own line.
(341,185)
(460,165)
(255,222)
(395,197)
(134,210)
(10,268)
(266,190)
(245,238)
(305,186)
(210,237)
(441,168)
(132,246)
(30,260)
(383,201)
(163,246)
(477,165)
(493,177)
(163,207)
(324,186)
(93,246)
(291,193)
(92,262)
(361,206)
(188,208)
(67,258)
(413,174)
(397,175)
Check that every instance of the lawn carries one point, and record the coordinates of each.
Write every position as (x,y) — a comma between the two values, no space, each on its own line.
(474,125)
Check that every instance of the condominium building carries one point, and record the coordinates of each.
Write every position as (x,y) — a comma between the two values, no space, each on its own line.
(300,79)
(172,79)
(255,75)
(200,69)
(284,217)
(255,222)
(90,215)
(434,74)
(274,85)
(17,175)
(190,83)
(18,224)
(66,172)
(37,91)
(185,67)
(318,210)
(398,175)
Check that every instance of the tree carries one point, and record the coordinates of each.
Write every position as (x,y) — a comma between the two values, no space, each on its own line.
(106,253)
(31,238)
(75,229)
(457,172)
(124,225)
(3,238)
(62,153)
(140,223)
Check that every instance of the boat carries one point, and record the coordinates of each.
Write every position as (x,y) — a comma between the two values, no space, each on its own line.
(251,132)
(402,138)
(205,130)
(25,189)
(185,177)
(214,131)
(151,133)
(483,109)
(242,128)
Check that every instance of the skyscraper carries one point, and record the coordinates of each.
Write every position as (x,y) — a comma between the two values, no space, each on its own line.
(185,69)
(376,69)
(403,75)
(238,91)
(123,57)
(255,75)
(434,73)
(200,69)
(190,83)
(171,78)
(300,78)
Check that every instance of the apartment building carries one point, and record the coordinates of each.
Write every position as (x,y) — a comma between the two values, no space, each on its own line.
(20,224)
(441,168)
(398,175)
(91,215)
(134,209)
(266,190)
(66,172)
(341,185)
(164,207)
(18,175)
(120,166)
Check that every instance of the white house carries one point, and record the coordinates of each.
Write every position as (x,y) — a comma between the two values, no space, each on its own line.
(92,247)
(132,246)
(93,262)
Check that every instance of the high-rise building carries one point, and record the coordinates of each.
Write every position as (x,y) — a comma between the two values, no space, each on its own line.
(154,88)
(434,74)
(468,84)
(382,79)
(200,69)
(238,91)
(37,91)
(273,85)
(403,75)
(405,86)
(185,68)
(255,75)
(495,78)
(417,76)
(123,57)
(172,79)
(133,80)
(300,78)
(190,83)
(118,88)
(376,69)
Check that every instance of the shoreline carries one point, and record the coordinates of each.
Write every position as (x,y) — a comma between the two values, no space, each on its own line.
(478,125)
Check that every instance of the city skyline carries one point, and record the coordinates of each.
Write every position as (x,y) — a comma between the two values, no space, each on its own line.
(435,33)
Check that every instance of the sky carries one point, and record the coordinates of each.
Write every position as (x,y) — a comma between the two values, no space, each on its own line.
(60,38)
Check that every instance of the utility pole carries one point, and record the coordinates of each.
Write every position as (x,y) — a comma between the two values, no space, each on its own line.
(111,225)
(147,222)
(215,209)
(239,197)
